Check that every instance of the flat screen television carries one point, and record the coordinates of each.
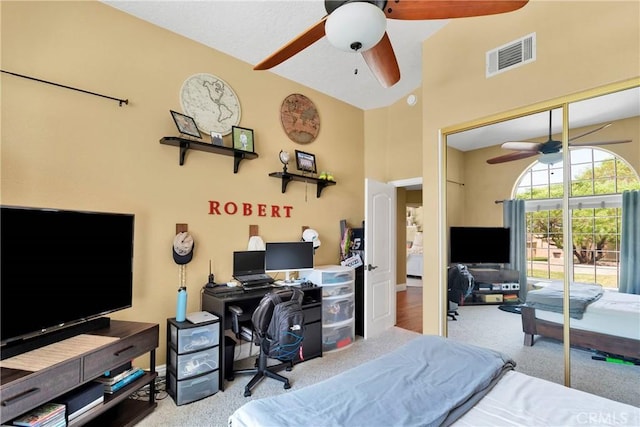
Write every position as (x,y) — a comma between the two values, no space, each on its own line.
(479,245)
(61,268)
(288,257)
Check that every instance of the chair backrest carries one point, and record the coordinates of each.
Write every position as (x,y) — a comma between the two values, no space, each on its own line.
(279,322)
(460,283)
(262,315)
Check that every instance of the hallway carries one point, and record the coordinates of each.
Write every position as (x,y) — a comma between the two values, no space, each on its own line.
(409,309)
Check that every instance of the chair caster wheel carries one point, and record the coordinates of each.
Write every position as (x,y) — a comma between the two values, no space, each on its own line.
(287,386)
(288,368)
(247,393)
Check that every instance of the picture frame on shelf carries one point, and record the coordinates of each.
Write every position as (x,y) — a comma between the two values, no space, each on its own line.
(242,139)
(216,139)
(305,162)
(185,124)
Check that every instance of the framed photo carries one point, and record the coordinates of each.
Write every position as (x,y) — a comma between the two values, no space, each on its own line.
(242,138)
(305,161)
(185,124)
(216,138)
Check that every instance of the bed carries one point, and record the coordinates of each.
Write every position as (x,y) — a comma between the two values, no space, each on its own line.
(432,380)
(609,324)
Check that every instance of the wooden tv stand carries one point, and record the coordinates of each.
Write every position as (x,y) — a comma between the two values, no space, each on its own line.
(63,366)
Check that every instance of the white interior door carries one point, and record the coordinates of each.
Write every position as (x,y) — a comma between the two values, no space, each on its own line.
(379,257)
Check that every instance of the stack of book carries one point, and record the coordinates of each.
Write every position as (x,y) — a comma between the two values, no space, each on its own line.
(510,298)
(47,415)
(116,382)
(81,399)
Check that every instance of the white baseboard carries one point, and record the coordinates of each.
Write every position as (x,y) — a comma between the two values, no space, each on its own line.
(161,370)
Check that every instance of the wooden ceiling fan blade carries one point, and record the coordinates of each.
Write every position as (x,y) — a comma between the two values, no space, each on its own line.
(298,44)
(446,9)
(522,146)
(573,138)
(382,62)
(512,156)
(598,143)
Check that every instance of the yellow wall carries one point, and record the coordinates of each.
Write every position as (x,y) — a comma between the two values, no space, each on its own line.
(66,149)
(580,45)
(70,150)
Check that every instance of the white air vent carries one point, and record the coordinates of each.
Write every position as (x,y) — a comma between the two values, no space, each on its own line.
(511,55)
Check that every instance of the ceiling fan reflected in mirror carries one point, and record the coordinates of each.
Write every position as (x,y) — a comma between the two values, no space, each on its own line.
(550,151)
(359,26)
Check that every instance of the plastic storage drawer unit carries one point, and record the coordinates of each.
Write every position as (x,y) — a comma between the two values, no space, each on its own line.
(195,338)
(338,304)
(192,364)
(192,389)
(193,359)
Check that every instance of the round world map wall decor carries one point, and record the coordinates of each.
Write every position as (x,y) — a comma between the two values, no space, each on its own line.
(299,118)
(211,102)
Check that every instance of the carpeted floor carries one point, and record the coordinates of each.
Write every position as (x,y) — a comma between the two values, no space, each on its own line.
(483,325)
(214,411)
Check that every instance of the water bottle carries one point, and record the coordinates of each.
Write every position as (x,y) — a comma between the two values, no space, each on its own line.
(181,309)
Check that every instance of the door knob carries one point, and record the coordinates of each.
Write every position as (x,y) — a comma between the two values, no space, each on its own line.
(371,267)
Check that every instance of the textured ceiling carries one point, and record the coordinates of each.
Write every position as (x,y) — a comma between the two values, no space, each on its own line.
(252,30)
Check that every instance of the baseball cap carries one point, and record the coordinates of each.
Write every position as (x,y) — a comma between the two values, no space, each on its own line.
(183,245)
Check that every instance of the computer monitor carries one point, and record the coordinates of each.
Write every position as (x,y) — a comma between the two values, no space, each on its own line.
(288,257)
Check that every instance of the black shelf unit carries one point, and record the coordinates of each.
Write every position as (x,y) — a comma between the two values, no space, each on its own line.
(186,144)
(287,177)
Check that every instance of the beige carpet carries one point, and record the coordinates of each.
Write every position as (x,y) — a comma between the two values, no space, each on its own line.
(486,326)
(215,410)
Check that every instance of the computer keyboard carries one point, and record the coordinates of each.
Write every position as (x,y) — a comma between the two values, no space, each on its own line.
(255,278)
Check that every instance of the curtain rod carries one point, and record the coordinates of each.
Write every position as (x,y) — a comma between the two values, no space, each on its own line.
(120,101)
(455,182)
(498,201)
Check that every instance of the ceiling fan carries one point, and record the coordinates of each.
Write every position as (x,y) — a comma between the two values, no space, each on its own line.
(360,26)
(550,151)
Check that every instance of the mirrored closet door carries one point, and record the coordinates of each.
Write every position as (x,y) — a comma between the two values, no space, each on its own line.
(571,182)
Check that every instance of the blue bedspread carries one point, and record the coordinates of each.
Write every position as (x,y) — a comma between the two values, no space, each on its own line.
(430,381)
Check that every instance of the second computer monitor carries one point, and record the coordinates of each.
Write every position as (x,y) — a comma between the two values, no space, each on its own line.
(288,257)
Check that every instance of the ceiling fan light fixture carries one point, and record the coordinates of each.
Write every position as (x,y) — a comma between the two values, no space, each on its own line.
(355,27)
(550,158)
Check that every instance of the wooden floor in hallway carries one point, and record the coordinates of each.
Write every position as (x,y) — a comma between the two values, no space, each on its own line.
(409,309)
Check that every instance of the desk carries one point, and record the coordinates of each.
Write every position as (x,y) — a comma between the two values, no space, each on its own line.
(218,304)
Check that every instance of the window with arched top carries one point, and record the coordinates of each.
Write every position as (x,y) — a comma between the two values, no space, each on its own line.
(597,179)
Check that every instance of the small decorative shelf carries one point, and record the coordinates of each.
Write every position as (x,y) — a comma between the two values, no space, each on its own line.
(186,144)
(287,177)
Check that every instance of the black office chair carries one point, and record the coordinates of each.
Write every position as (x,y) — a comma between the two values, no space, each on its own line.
(460,284)
(261,319)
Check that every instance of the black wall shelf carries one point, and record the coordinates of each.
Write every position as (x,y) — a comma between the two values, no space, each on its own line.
(186,144)
(287,177)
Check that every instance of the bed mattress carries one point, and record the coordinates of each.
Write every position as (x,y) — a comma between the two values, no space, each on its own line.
(521,400)
(615,314)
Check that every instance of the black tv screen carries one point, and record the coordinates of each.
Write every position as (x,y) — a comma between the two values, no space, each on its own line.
(479,245)
(61,267)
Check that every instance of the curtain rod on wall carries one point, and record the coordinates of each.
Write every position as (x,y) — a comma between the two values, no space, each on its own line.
(120,101)
(498,201)
(455,182)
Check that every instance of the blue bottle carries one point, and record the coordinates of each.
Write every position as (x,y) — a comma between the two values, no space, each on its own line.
(181,309)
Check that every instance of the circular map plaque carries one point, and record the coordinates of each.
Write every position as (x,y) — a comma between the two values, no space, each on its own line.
(300,118)
(211,102)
